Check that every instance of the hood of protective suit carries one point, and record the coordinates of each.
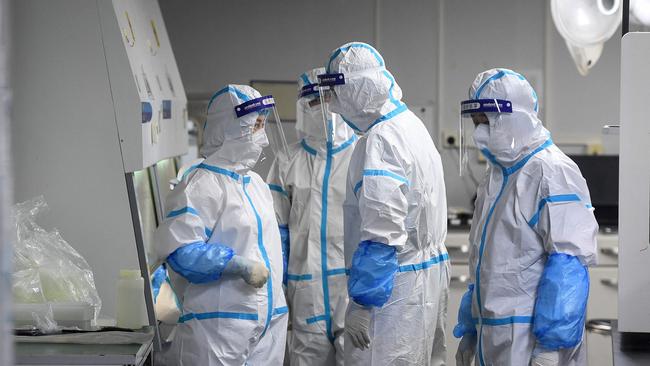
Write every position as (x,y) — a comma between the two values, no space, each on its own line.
(370,94)
(229,141)
(511,136)
(309,120)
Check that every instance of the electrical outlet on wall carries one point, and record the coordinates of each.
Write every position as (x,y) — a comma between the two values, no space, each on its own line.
(450,139)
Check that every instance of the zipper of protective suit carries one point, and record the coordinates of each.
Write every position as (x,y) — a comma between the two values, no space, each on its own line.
(323,242)
(260,244)
(478,266)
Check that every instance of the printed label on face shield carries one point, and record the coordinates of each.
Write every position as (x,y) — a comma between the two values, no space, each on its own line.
(331,79)
(254,105)
(465,107)
(308,90)
(485,106)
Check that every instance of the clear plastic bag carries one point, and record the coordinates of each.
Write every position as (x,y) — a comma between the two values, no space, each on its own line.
(46,268)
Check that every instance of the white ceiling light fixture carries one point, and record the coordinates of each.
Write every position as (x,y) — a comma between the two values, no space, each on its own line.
(585,26)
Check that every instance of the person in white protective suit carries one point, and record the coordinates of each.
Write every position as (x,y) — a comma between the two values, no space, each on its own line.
(395,218)
(308,193)
(533,235)
(220,241)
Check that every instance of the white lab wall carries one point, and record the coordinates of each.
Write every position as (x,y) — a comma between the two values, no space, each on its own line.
(423,42)
(478,36)
(577,106)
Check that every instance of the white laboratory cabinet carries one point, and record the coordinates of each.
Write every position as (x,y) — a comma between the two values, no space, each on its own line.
(634,186)
(97,97)
(602,294)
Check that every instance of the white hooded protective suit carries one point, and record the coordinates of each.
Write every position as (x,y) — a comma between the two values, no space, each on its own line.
(308,192)
(221,209)
(395,216)
(532,236)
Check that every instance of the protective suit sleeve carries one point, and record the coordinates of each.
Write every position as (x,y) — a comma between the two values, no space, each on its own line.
(465,322)
(564,217)
(200,262)
(284,238)
(382,194)
(281,196)
(561,303)
(194,208)
(371,274)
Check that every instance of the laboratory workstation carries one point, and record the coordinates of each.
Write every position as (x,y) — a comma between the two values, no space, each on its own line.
(325,183)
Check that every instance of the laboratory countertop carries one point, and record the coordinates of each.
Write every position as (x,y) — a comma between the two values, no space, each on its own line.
(63,350)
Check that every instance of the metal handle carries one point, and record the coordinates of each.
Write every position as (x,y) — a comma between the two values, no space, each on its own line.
(460,279)
(610,282)
(610,251)
(463,249)
(602,326)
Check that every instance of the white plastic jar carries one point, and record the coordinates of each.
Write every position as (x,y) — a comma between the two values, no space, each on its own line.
(131,309)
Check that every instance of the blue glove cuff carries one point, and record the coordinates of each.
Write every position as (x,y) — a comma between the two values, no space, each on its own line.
(561,302)
(200,262)
(372,272)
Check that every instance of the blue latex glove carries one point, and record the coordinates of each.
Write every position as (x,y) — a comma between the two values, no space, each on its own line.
(465,322)
(284,238)
(372,272)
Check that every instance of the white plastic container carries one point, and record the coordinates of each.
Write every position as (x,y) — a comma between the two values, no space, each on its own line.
(131,309)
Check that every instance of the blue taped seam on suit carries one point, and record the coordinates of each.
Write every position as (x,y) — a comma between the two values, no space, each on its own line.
(517,319)
(277,188)
(351,124)
(400,109)
(344,145)
(217,315)
(336,272)
(323,242)
(357,187)
(310,150)
(222,171)
(183,210)
(305,79)
(314,319)
(552,199)
(267,263)
(302,277)
(423,265)
(280,311)
(385,173)
(191,168)
(378,57)
(229,89)
(506,172)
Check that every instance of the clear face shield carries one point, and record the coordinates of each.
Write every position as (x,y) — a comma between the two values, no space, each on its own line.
(326,84)
(267,119)
(473,113)
(312,115)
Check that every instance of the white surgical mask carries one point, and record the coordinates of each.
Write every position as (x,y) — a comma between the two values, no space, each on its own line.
(481,135)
